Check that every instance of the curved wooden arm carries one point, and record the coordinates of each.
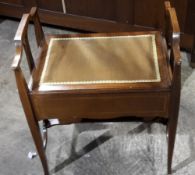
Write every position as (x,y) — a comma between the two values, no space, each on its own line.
(22,28)
(40,38)
(18,56)
(173,21)
(21,38)
(173,25)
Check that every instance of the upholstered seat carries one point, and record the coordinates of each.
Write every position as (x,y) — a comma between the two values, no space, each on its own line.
(110,59)
(127,59)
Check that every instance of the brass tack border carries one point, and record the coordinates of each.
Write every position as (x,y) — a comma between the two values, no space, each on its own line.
(158,79)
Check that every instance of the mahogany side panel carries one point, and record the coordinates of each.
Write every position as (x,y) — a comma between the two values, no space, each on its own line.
(100,106)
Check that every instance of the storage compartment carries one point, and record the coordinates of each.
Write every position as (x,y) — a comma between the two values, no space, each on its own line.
(100,106)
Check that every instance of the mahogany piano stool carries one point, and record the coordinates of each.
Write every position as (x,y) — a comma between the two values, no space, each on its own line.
(99,77)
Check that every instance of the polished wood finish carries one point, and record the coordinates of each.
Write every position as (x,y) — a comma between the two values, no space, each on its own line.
(24,92)
(175,59)
(73,103)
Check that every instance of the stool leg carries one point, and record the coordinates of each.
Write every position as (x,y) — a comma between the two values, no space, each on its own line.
(172,127)
(171,132)
(36,134)
(30,117)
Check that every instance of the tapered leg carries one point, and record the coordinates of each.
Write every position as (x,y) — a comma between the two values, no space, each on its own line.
(36,134)
(172,128)
(31,118)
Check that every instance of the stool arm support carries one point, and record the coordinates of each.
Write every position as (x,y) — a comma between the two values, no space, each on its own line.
(18,56)
(176,54)
(172,22)
(22,28)
(21,38)
(173,17)
(40,38)
(173,25)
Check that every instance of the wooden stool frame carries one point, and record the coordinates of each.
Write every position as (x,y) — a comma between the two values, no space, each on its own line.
(28,94)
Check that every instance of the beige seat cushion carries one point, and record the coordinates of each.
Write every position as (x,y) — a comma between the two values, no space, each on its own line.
(95,60)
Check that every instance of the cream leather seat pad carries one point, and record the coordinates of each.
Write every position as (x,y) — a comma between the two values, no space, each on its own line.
(91,60)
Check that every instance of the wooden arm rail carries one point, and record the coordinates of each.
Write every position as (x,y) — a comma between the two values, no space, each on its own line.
(22,28)
(173,17)
(21,38)
(172,23)
(17,58)
(172,34)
